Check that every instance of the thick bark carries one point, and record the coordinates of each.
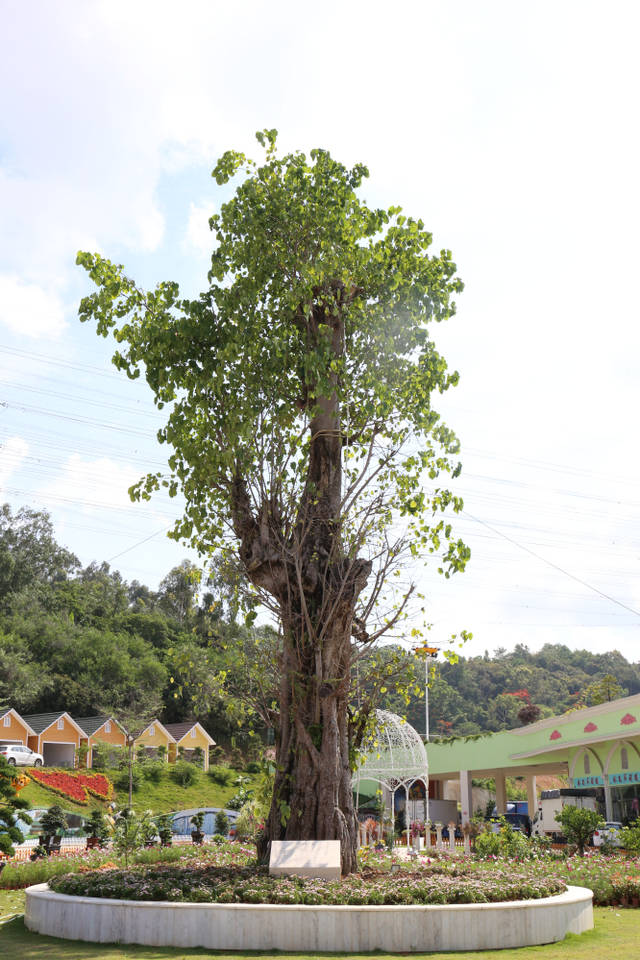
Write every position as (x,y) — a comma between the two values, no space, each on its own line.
(316,587)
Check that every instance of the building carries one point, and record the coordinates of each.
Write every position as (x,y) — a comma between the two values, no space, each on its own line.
(595,747)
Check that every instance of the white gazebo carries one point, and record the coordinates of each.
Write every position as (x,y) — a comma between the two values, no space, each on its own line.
(395,758)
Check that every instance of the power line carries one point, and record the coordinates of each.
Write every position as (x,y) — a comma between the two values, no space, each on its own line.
(555,566)
(138,544)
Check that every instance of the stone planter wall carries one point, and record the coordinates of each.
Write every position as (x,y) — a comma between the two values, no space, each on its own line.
(346,929)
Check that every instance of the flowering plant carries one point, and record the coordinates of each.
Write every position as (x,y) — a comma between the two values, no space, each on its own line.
(75,786)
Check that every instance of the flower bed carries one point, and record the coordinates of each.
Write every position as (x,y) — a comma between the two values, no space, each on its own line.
(436,884)
(19,874)
(75,786)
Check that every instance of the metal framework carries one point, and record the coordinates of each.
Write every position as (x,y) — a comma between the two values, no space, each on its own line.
(395,756)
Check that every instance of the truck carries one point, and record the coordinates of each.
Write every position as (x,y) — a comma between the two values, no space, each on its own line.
(553,802)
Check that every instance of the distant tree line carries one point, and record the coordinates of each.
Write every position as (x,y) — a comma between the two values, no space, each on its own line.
(84,639)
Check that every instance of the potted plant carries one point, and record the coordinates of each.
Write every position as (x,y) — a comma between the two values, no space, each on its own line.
(197,836)
(96,829)
(163,826)
(52,824)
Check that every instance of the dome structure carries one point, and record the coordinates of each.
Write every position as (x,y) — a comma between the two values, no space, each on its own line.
(395,755)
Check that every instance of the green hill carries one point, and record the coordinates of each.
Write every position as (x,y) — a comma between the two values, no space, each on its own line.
(163,797)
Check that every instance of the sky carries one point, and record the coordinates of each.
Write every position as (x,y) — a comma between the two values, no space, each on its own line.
(510,129)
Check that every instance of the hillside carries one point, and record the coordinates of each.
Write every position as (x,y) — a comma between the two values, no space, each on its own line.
(163,797)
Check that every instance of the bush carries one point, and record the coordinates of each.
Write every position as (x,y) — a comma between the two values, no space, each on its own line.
(252,767)
(184,774)
(222,823)
(153,771)
(96,826)
(121,780)
(220,775)
(578,825)
(218,838)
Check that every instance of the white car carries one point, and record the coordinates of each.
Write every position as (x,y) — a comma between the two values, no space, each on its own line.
(608,834)
(20,756)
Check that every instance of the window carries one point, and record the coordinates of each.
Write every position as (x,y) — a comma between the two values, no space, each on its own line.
(193,733)
(587,764)
(624,759)
(152,731)
(7,720)
(61,723)
(107,726)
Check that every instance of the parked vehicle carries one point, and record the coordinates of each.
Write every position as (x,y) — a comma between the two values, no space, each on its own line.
(553,802)
(20,756)
(608,834)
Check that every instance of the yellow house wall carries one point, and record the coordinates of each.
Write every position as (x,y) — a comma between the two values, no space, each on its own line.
(190,743)
(159,739)
(16,731)
(68,734)
(116,737)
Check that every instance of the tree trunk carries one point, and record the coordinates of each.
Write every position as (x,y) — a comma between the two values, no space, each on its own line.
(316,587)
(313,797)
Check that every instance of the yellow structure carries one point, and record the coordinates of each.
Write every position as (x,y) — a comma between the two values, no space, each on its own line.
(100,730)
(14,729)
(188,736)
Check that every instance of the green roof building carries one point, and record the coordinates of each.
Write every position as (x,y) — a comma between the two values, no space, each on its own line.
(595,747)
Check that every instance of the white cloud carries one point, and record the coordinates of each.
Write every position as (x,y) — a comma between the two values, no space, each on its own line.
(28,310)
(12,454)
(199,237)
(94,484)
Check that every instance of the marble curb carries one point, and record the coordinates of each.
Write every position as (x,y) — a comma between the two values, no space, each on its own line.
(297,928)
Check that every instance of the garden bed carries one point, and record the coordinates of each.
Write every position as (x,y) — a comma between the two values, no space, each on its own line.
(439,883)
(398,927)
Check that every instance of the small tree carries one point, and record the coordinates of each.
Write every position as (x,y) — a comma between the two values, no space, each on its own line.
(11,805)
(164,827)
(132,832)
(222,823)
(96,826)
(578,825)
(52,823)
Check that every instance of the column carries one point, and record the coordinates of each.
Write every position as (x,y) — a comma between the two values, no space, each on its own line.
(608,800)
(466,796)
(532,796)
(501,794)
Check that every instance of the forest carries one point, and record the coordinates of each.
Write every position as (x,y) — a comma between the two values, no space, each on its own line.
(83,639)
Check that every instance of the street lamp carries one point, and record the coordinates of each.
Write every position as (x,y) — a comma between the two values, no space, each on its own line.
(430,653)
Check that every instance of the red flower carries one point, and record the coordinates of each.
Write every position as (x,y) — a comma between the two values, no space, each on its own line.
(555,735)
(628,718)
(590,727)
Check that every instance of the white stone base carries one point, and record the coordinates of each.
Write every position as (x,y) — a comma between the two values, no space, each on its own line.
(347,929)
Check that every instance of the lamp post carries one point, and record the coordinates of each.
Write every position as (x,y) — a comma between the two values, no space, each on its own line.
(430,653)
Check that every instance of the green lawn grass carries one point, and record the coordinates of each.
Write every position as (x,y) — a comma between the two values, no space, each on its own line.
(616,934)
(163,797)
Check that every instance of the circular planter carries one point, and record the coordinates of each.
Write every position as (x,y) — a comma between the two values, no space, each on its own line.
(345,929)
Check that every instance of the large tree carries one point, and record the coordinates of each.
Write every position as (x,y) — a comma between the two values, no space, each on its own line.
(299,389)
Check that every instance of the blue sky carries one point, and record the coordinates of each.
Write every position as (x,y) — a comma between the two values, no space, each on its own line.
(510,129)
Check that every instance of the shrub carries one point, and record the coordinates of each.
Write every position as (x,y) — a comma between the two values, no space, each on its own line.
(630,837)
(218,838)
(578,825)
(222,823)
(184,774)
(252,767)
(153,771)
(96,826)
(220,775)
(121,781)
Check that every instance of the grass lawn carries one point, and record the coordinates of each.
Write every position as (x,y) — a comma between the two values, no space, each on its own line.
(163,797)
(616,934)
